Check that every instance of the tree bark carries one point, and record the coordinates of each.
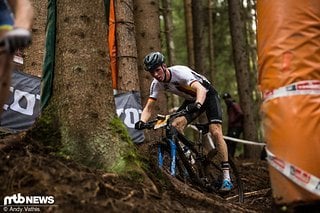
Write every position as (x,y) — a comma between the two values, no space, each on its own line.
(82,86)
(200,35)
(189,32)
(148,39)
(167,14)
(240,57)
(168,23)
(211,40)
(33,55)
(128,79)
(147,21)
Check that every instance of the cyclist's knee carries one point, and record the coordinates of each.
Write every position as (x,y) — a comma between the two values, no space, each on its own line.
(216,131)
(179,123)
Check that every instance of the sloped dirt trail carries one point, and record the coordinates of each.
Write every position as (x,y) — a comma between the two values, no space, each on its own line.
(31,169)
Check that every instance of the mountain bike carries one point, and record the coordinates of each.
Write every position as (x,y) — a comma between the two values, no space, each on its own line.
(191,160)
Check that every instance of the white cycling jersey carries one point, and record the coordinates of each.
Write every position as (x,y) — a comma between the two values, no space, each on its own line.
(180,83)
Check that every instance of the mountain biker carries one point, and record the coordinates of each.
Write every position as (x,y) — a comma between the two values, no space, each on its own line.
(16,17)
(235,121)
(200,96)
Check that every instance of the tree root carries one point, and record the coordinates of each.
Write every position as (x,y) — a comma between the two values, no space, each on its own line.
(215,200)
(261,192)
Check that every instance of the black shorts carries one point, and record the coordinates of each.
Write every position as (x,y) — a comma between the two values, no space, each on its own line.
(211,106)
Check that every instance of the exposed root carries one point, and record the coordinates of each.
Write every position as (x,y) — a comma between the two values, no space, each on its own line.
(261,192)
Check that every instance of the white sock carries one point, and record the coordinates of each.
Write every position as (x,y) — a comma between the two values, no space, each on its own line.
(226,171)
(226,174)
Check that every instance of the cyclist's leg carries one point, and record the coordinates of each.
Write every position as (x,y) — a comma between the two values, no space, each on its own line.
(217,136)
(214,115)
(181,122)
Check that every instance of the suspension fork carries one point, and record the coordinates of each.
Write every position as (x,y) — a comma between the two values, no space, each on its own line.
(173,155)
(170,139)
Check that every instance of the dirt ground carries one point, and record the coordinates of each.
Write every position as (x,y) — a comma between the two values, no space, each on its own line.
(33,170)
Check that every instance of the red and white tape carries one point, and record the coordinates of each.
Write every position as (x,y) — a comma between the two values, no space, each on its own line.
(302,178)
(310,87)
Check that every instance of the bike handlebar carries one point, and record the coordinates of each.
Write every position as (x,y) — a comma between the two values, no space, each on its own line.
(151,124)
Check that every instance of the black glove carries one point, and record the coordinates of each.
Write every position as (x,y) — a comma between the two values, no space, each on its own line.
(140,125)
(193,107)
(16,39)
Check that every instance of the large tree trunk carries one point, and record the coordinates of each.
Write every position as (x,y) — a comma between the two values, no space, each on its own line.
(82,86)
(243,76)
(128,78)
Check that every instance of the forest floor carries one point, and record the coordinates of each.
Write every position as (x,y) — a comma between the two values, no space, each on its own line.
(34,170)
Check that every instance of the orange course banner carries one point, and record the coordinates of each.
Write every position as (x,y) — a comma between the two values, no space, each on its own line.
(289,78)
(112,45)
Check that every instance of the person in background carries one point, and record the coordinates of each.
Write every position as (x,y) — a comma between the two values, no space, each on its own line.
(235,121)
(200,97)
(16,19)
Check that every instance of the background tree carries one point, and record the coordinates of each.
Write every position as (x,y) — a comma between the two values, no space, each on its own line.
(200,35)
(168,29)
(189,32)
(82,86)
(147,21)
(211,40)
(173,100)
(224,76)
(240,57)
(128,79)
(250,18)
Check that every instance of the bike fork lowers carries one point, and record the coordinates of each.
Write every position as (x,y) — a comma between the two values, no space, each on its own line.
(173,157)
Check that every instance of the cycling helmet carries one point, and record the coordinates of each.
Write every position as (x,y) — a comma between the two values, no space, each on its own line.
(226,95)
(153,60)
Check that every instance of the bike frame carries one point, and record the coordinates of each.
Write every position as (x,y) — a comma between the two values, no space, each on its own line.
(173,138)
(172,135)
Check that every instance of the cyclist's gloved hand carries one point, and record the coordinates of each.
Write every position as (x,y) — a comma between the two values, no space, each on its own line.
(140,125)
(193,107)
(16,39)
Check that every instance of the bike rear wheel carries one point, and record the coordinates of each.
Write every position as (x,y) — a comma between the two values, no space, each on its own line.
(213,173)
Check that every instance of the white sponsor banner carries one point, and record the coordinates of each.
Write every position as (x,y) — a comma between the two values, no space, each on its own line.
(23,105)
(129,110)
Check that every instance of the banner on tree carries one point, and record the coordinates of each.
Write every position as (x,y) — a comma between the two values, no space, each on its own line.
(23,105)
(129,110)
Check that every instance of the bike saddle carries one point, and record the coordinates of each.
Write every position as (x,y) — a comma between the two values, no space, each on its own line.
(203,127)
